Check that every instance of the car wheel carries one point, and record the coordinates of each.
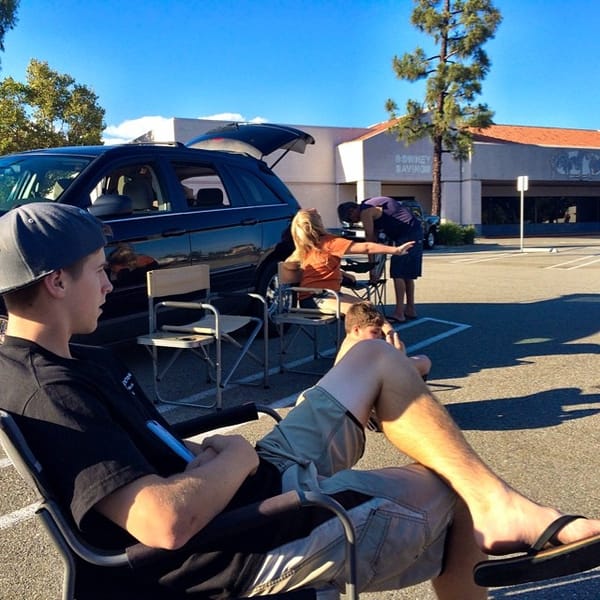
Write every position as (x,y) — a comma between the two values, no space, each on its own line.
(267,287)
(430,239)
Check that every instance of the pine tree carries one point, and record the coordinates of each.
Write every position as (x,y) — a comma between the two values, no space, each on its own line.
(459,29)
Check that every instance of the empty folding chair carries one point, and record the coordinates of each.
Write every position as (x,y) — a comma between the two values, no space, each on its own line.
(210,328)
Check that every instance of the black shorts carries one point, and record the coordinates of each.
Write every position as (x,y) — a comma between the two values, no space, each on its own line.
(409,265)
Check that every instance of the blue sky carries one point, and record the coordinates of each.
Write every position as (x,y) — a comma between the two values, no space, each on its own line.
(303,62)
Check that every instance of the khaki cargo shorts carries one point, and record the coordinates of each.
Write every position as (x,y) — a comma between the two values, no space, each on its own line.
(401,528)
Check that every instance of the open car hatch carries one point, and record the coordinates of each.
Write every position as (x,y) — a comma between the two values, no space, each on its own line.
(256,139)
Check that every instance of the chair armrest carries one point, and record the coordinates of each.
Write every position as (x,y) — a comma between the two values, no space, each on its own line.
(249,518)
(359,266)
(224,418)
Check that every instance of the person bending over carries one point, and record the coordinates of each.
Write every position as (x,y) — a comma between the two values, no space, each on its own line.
(382,214)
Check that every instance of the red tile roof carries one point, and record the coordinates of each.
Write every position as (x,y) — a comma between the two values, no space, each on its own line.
(520,134)
(539,136)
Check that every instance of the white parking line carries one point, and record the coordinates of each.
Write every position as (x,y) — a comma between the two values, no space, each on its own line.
(18,516)
(479,260)
(455,328)
(590,260)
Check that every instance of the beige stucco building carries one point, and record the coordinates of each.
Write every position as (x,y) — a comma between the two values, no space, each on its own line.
(562,166)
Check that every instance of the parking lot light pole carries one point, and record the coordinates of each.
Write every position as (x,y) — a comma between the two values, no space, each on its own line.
(522,186)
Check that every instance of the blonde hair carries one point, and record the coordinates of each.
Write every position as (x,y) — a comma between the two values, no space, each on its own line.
(362,314)
(307,230)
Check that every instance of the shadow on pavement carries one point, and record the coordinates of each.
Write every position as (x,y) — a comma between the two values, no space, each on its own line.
(503,335)
(535,411)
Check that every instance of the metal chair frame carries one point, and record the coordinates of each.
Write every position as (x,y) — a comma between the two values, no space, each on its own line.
(211,328)
(71,545)
(373,291)
(292,320)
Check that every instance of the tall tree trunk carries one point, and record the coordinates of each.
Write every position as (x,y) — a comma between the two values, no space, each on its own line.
(436,177)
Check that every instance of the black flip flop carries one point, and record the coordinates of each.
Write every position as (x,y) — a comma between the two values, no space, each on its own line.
(410,317)
(539,564)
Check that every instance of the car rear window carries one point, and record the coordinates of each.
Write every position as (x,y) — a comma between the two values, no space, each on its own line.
(26,179)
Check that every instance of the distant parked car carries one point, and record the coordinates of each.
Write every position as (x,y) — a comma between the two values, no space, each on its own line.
(430,223)
(166,205)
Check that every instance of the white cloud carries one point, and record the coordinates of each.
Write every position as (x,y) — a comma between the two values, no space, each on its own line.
(133,128)
(233,117)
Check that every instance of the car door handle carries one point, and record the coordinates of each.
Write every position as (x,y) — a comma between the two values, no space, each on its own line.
(249,221)
(173,232)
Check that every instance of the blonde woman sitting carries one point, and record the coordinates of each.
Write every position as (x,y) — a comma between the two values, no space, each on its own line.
(319,254)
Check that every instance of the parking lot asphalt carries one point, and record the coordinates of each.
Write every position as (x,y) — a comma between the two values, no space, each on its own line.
(515,342)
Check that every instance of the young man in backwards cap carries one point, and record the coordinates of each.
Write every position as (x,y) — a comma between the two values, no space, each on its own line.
(85,417)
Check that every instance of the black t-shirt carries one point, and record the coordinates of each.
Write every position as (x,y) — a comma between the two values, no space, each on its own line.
(85,420)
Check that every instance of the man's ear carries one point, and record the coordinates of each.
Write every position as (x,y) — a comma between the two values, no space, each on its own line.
(54,285)
(356,330)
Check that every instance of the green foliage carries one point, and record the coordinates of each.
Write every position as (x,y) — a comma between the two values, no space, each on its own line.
(8,18)
(453,75)
(452,234)
(50,109)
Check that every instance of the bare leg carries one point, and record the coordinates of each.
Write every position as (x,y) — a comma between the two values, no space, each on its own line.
(400,290)
(423,364)
(456,581)
(504,520)
(409,308)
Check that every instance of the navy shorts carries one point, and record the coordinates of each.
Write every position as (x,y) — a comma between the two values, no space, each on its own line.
(410,265)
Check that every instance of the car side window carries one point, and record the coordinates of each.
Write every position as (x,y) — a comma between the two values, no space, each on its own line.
(202,186)
(254,190)
(136,184)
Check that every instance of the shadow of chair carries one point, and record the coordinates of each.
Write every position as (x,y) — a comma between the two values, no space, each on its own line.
(185,290)
(75,551)
(292,320)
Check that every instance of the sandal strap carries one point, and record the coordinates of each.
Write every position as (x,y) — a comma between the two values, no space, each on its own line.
(552,530)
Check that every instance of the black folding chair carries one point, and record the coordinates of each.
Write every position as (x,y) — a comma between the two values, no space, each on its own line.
(73,548)
(372,289)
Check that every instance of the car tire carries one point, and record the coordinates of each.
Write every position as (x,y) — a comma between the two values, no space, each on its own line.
(267,288)
(429,241)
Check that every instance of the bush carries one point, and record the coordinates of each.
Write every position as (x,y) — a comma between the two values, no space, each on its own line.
(452,234)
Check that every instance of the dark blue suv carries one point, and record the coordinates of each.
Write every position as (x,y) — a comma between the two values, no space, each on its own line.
(213,200)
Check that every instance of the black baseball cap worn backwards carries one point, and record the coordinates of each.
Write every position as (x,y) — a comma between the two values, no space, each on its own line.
(39,238)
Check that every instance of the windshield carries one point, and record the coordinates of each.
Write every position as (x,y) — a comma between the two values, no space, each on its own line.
(26,179)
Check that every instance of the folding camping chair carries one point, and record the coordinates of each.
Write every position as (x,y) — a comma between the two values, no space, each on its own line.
(74,549)
(374,287)
(292,320)
(165,290)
